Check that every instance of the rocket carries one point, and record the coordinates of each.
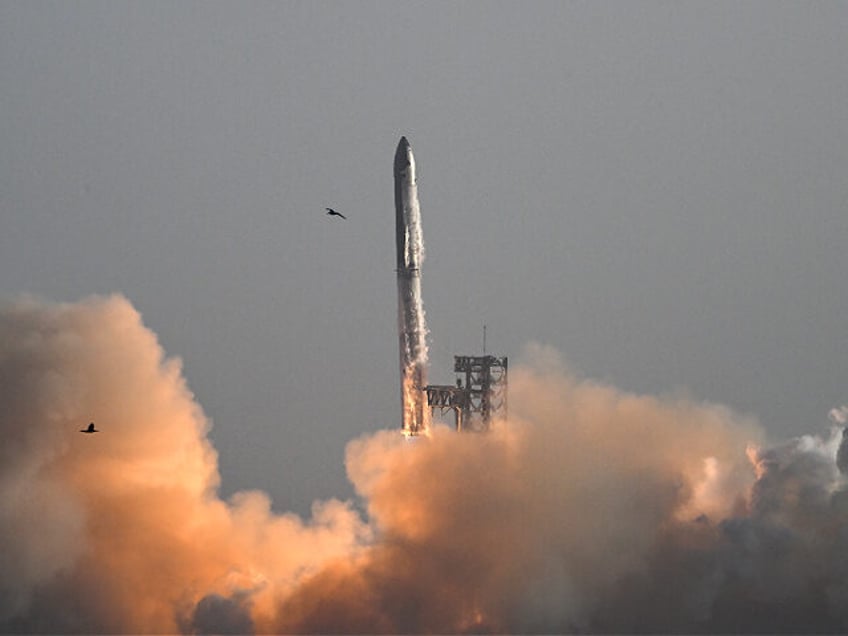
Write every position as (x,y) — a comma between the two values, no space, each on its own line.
(412,329)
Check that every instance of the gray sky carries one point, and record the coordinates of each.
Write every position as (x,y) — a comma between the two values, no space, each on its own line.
(656,190)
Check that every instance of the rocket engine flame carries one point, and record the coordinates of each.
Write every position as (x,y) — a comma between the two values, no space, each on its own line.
(595,510)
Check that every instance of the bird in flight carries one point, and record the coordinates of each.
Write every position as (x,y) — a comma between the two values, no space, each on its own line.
(332,212)
(90,429)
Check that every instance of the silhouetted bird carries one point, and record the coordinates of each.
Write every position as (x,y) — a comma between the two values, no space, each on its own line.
(332,212)
(90,429)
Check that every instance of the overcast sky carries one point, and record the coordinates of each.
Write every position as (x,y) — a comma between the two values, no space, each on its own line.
(659,191)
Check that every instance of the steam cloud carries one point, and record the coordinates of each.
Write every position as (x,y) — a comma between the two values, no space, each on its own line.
(592,510)
(839,415)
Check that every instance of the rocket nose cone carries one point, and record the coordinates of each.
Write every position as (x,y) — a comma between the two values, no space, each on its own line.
(402,154)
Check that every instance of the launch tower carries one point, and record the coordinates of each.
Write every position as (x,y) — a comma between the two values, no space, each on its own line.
(480,393)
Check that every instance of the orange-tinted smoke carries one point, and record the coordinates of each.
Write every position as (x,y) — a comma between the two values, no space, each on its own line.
(590,510)
(122,530)
(525,528)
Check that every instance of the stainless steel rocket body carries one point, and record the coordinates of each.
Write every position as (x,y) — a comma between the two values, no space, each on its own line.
(412,328)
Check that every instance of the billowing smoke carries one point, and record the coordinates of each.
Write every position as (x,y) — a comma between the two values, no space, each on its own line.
(839,415)
(592,510)
(122,530)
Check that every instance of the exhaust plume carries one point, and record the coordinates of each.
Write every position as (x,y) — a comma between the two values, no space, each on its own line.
(592,510)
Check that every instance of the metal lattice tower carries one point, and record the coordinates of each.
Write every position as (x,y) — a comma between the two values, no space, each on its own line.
(479,395)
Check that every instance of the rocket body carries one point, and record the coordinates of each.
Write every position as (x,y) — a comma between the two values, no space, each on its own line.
(412,328)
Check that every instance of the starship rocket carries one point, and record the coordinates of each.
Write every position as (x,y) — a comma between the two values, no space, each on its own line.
(412,329)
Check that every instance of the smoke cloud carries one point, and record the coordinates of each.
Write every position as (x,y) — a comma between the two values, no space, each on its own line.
(839,415)
(122,530)
(591,510)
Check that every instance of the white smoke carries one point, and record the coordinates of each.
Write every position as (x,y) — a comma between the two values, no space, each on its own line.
(839,415)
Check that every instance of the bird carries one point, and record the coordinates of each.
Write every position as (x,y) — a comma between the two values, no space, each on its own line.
(90,429)
(332,212)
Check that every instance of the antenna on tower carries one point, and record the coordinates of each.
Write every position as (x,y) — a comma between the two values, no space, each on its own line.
(484,338)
